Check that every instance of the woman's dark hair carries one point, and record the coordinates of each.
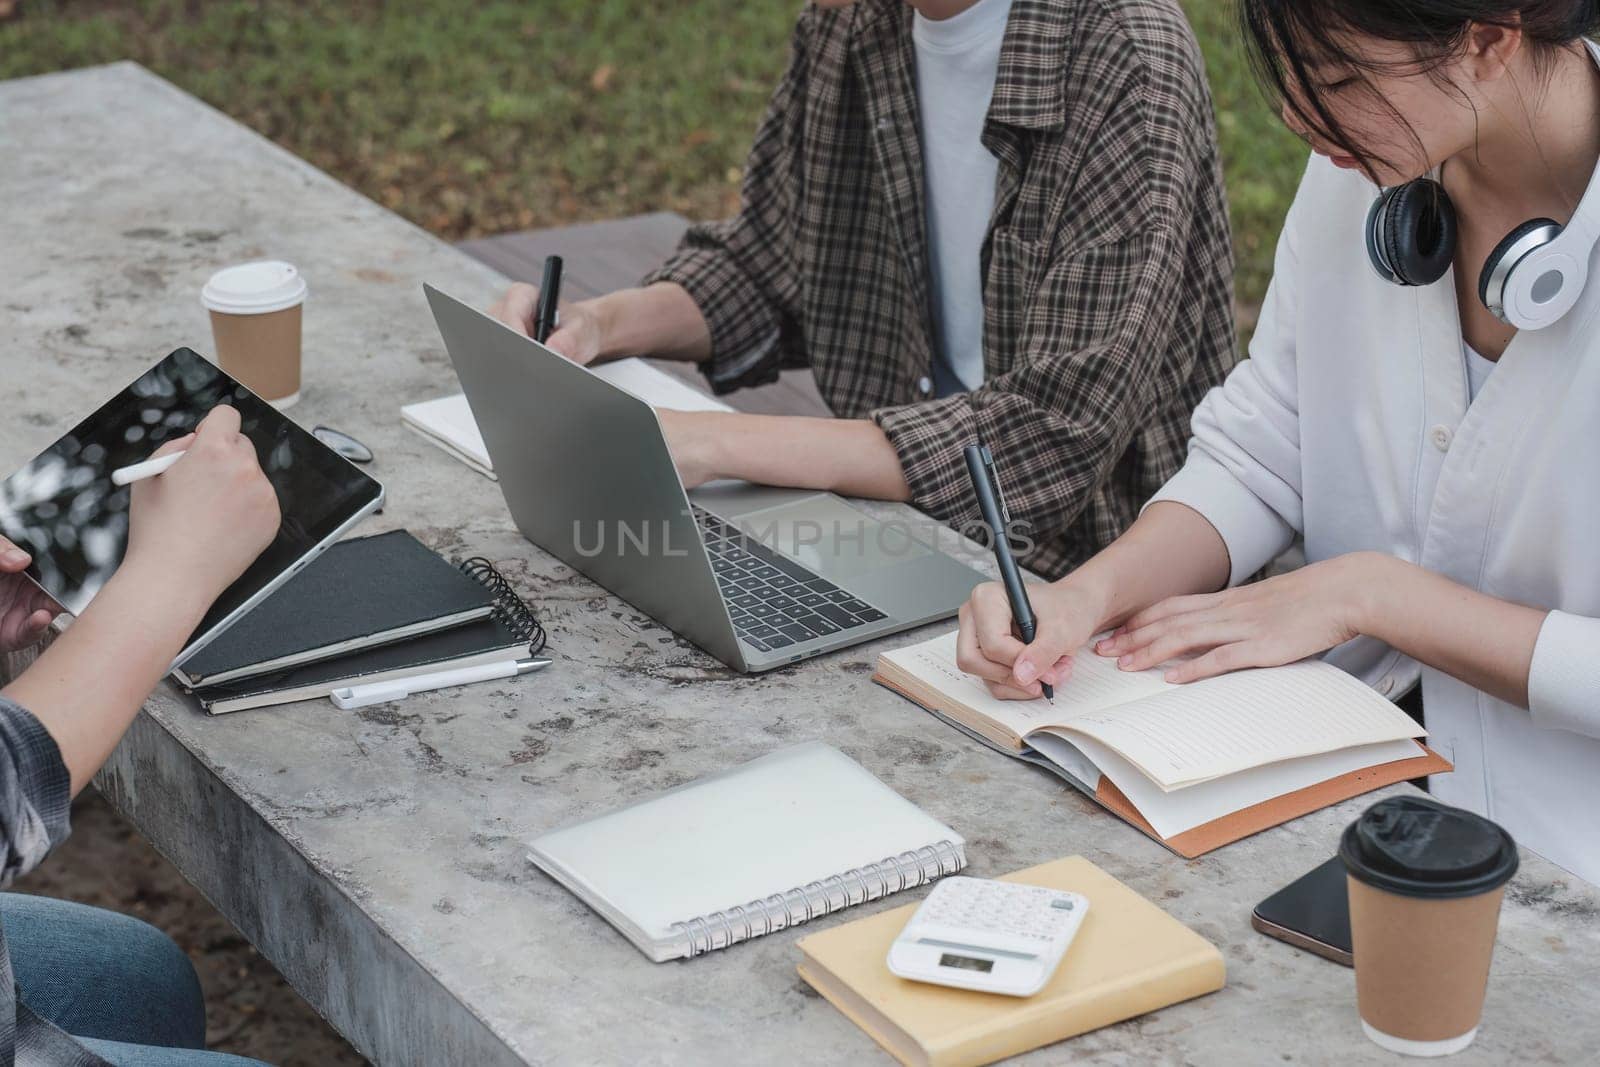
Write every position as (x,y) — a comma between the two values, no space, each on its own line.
(1286,37)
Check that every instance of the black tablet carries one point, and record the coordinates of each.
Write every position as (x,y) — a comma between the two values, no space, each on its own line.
(63,508)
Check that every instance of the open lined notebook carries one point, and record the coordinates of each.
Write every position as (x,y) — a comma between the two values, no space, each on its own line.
(1195,766)
(795,834)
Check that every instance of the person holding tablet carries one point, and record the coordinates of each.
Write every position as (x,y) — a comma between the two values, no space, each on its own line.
(127,993)
(1421,402)
(995,220)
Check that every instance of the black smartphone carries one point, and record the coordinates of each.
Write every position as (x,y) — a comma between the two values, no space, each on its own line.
(1311,913)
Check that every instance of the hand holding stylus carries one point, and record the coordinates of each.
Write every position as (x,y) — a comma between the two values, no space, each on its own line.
(138,472)
(205,520)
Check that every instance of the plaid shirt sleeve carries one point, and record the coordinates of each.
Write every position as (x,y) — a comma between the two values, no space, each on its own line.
(35,792)
(1098,347)
(35,799)
(740,271)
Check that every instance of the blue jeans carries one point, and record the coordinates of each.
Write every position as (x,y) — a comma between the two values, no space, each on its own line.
(118,985)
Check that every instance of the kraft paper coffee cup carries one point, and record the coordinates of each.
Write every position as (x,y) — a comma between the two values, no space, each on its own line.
(1425,883)
(255,321)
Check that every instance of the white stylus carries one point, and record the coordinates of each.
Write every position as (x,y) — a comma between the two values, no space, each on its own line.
(359,696)
(138,472)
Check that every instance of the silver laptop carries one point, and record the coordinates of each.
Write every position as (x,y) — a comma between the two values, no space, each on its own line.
(756,576)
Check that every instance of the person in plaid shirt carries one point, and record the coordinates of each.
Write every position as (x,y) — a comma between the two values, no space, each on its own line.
(973,220)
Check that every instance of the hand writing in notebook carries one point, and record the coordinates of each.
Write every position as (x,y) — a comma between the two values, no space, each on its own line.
(1278,621)
(988,646)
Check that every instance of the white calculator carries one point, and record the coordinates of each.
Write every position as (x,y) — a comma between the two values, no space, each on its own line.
(995,937)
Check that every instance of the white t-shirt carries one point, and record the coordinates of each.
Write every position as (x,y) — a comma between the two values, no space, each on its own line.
(1478,371)
(957,59)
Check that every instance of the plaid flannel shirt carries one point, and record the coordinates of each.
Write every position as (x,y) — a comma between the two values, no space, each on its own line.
(1107,264)
(35,796)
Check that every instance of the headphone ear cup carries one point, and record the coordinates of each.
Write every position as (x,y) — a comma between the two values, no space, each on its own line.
(1419,232)
(1376,223)
(1486,277)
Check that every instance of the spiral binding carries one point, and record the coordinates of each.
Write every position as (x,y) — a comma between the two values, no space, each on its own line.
(741,922)
(509,607)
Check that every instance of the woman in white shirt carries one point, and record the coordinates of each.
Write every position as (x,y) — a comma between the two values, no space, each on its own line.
(1442,464)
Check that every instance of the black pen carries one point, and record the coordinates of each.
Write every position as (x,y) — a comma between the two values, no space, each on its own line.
(544,320)
(980,465)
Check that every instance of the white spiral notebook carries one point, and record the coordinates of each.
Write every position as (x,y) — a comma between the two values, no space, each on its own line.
(795,834)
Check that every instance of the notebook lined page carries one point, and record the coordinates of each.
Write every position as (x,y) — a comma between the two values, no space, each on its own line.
(1095,685)
(1170,813)
(1192,733)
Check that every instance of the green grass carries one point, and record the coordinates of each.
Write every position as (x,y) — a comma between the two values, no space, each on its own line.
(1260,157)
(474,118)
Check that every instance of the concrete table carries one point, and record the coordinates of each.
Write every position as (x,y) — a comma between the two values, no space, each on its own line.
(376,857)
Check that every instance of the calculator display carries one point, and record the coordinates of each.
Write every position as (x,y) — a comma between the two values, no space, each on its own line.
(965,963)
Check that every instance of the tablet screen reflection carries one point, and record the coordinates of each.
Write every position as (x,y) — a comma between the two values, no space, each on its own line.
(63,508)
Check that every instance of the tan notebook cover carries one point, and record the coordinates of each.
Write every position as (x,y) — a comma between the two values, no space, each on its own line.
(1129,958)
(1247,821)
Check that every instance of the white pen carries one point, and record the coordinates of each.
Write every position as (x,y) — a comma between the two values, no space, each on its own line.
(359,696)
(138,472)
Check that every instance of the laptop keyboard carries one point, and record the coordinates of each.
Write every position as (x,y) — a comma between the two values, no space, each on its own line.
(774,601)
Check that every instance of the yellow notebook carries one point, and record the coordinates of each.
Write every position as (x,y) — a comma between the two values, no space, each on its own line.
(1129,958)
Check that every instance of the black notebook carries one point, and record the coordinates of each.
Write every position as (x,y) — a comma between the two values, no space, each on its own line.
(359,594)
(489,640)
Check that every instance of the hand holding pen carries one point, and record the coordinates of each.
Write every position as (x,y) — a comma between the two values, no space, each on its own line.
(572,331)
(991,505)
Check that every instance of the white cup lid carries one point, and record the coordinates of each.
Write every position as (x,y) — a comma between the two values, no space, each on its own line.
(254,288)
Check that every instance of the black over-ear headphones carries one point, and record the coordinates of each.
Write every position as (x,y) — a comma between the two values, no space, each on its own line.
(1532,278)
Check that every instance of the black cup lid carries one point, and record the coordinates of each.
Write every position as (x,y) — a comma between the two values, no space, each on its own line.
(1418,847)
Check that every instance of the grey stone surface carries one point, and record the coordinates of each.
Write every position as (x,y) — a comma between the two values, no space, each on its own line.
(376,856)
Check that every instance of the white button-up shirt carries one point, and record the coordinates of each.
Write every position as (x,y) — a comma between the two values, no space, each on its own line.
(1351,423)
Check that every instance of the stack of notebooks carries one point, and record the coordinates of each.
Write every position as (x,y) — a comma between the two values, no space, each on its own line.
(371,609)
(1129,958)
(1195,766)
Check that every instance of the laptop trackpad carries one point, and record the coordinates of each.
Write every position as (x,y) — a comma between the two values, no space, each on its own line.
(832,538)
